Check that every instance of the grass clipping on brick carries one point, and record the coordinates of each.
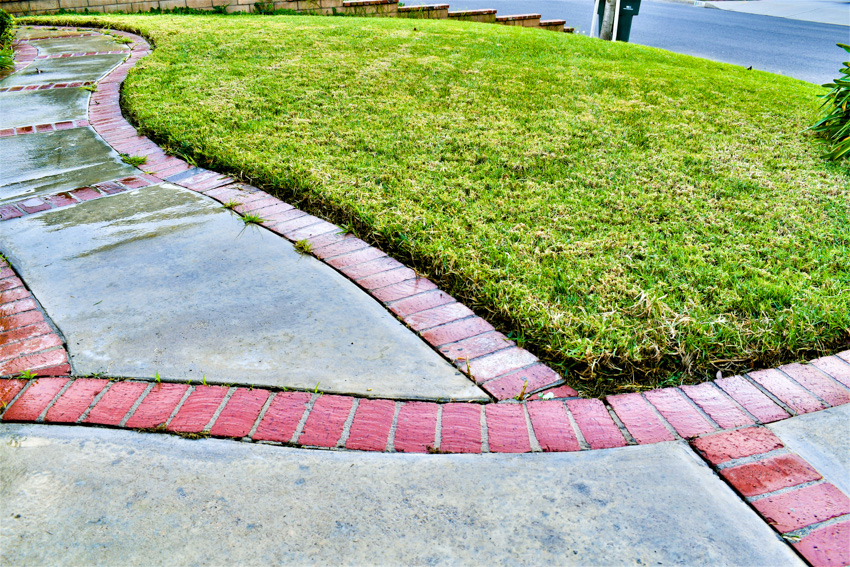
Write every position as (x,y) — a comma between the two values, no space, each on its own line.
(632,216)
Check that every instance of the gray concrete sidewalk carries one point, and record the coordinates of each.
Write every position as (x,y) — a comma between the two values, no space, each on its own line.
(836,12)
(74,496)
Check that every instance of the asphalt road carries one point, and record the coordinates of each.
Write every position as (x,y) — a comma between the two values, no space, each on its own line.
(804,50)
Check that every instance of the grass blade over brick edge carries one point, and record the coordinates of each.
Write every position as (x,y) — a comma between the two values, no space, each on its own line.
(636,216)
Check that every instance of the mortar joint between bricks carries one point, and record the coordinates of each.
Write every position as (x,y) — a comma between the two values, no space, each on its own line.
(532,437)
(219,409)
(346,426)
(179,405)
(301,422)
(807,390)
(62,390)
(485,434)
(390,448)
(15,398)
(260,416)
(664,422)
(136,405)
(620,425)
(785,490)
(770,395)
(94,402)
(803,532)
(582,442)
(699,410)
(438,430)
(752,459)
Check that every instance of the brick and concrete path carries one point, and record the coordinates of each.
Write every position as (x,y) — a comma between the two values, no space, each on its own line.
(141,303)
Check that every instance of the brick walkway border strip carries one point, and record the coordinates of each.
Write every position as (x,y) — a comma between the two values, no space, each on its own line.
(45,86)
(39,128)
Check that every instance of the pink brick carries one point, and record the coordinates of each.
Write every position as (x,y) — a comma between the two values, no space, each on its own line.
(57,370)
(271,220)
(456,331)
(717,405)
(116,402)
(10,283)
(753,400)
(14,307)
(277,208)
(60,200)
(785,390)
(474,347)
(803,507)
(428,300)
(529,379)
(729,445)
(552,426)
(845,356)
(678,412)
(416,427)
(355,258)
(438,316)
(460,430)
(500,363)
(365,269)
(326,420)
(507,431)
(33,205)
(819,384)
(85,194)
(110,187)
(157,406)
(37,362)
(10,212)
(343,246)
(75,400)
(282,418)
(597,427)
(8,390)
(557,393)
(198,409)
(317,229)
(8,296)
(327,239)
(370,429)
(29,346)
(387,278)
(64,125)
(238,416)
(769,475)
(33,401)
(827,546)
(403,289)
(639,418)
(287,227)
(835,367)
(134,182)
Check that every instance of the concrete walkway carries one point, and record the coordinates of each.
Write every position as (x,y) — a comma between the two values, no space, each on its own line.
(836,12)
(142,275)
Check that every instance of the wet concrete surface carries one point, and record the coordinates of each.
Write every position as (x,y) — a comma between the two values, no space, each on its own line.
(823,439)
(27,32)
(36,164)
(63,70)
(85,44)
(83,496)
(162,280)
(28,108)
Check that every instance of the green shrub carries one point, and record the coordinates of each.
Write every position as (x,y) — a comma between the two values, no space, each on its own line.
(834,125)
(7,29)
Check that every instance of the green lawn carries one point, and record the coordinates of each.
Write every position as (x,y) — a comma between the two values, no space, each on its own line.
(633,216)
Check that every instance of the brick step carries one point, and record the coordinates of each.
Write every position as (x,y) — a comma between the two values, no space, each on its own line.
(424,12)
(553,25)
(386,8)
(523,20)
(483,16)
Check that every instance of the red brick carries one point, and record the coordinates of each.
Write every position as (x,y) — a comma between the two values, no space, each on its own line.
(557,392)
(639,419)
(679,412)
(58,370)
(157,406)
(717,405)
(33,205)
(37,362)
(819,384)
(768,475)
(460,428)
(827,546)
(134,182)
(355,258)
(44,127)
(365,269)
(474,347)
(5,270)
(403,289)
(115,403)
(110,187)
(238,416)
(835,367)
(552,426)
(14,307)
(255,206)
(507,431)
(282,418)
(274,209)
(6,132)
(456,331)
(288,227)
(502,362)
(416,428)
(85,194)
(803,507)
(198,409)
(370,429)
(29,346)
(753,400)
(595,424)
(75,400)
(417,303)
(326,421)
(24,130)
(10,212)
(845,356)
(60,200)
(14,294)
(10,283)
(785,390)
(327,239)
(511,385)
(33,401)
(437,316)
(737,444)
(384,279)
(344,246)
(64,125)
(8,390)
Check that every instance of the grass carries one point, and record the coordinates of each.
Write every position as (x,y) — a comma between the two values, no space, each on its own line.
(135,161)
(630,213)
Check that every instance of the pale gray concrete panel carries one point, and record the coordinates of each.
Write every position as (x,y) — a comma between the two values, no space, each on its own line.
(165,280)
(66,70)
(823,439)
(81,496)
(85,44)
(28,108)
(50,162)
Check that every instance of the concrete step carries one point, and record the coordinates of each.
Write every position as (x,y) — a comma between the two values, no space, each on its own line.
(523,20)
(387,8)
(553,25)
(424,12)
(483,16)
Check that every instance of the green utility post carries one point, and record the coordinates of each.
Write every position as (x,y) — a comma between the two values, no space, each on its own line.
(622,20)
